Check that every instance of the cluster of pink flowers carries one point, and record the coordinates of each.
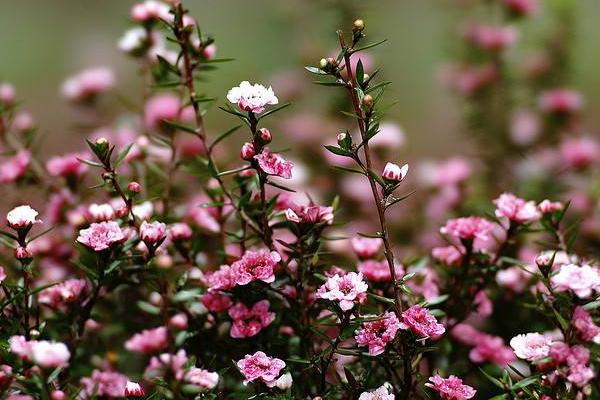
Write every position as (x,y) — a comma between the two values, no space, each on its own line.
(377,334)
(104,383)
(582,280)
(584,325)
(248,322)
(576,359)
(468,228)
(515,209)
(420,321)
(44,353)
(346,290)
(451,388)
(484,347)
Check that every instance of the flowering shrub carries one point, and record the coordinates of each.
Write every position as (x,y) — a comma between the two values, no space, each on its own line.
(188,274)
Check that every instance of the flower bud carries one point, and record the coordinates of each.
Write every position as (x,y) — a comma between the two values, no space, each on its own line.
(179,321)
(153,233)
(22,254)
(543,260)
(344,140)
(7,93)
(323,63)
(265,135)
(359,25)
(247,151)
(134,187)
(58,395)
(134,389)
(393,172)
(368,102)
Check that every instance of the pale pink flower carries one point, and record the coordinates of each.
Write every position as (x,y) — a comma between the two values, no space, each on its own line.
(379,270)
(346,290)
(180,231)
(513,278)
(579,152)
(252,98)
(88,84)
(468,80)
(493,38)
(167,363)
(420,321)
(584,325)
(204,217)
(579,373)
(150,10)
(547,206)
(15,167)
(133,389)
(377,334)
(525,127)
(67,165)
(424,283)
(148,340)
(222,279)
(43,353)
(365,247)
(468,228)
(560,101)
(103,383)
(448,255)
(255,265)
(581,279)
(309,214)
(451,388)
(394,172)
(62,294)
(531,346)
(522,7)
(101,236)
(100,212)
(260,367)
(22,217)
(202,378)
(515,209)
(248,322)
(23,122)
(161,107)
(273,164)
(7,93)
(381,393)
(492,349)
(153,232)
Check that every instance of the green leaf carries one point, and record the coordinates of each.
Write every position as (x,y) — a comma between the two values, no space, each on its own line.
(495,381)
(377,178)
(225,135)
(233,171)
(339,151)
(180,127)
(273,111)
(149,308)
(355,171)
(368,46)
(382,299)
(360,72)
(90,163)
(315,70)
(122,154)
(324,83)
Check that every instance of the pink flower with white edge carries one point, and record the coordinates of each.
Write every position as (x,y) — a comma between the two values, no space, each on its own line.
(365,247)
(547,206)
(560,101)
(153,232)
(346,290)
(180,231)
(252,98)
(248,322)
(381,393)
(379,270)
(148,340)
(260,368)
(22,217)
(584,325)
(515,209)
(394,172)
(531,346)
(133,389)
(377,334)
(420,321)
(255,266)
(468,228)
(101,236)
(67,165)
(202,378)
(451,388)
(309,214)
(273,164)
(580,279)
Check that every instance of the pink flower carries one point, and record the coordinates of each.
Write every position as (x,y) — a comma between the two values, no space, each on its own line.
(148,340)
(448,255)
(492,349)
(493,38)
(579,152)
(180,231)
(515,209)
(309,214)
(22,217)
(451,388)
(273,164)
(394,172)
(579,373)
(254,266)
(2,274)
(104,383)
(260,367)
(252,98)
(419,320)
(153,232)
(377,334)
(346,290)
(560,101)
(149,10)
(100,212)
(222,279)
(101,236)
(166,363)
(161,107)
(522,7)
(249,322)
(584,325)
(582,280)
(67,165)
(215,302)
(7,93)
(62,294)
(547,206)
(202,378)
(15,167)
(379,271)
(531,346)
(381,393)
(88,84)
(43,353)
(365,247)
(513,278)
(133,389)
(468,228)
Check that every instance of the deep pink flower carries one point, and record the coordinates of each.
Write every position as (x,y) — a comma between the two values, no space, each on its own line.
(67,165)
(560,101)
(584,325)
(365,247)
(252,98)
(346,290)
(451,388)
(377,334)
(255,265)
(15,167)
(522,7)
(247,152)
(309,214)
(515,209)
(133,389)
(2,274)
(379,271)
(101,236)
(222,279)
(419,320)
(468,228)
(273,164)
(215,302)
(248,322)
(148,340)
(260,367)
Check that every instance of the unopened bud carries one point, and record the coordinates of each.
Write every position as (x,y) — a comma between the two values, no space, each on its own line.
(323,63)
(368,101)
(344,140)
(21,253)
(543,260)
(247,151)
(359,25)
(34,333)
(265,135)
(58,395)
(101,141)
(134,187)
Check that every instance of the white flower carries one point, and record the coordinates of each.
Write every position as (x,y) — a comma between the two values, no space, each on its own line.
(49,354)
(22,217)
(252,97)
(132,39)
(531,346)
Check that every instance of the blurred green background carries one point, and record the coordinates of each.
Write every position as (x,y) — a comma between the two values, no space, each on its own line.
(44,41)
